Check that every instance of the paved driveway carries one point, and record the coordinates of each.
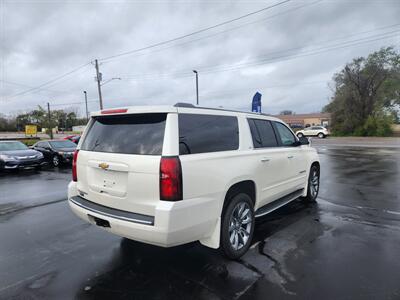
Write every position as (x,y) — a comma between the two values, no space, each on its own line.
(346,246)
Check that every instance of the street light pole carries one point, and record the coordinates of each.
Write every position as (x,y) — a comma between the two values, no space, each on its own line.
(197,86)
(98,79)
(87,114)
(114,78)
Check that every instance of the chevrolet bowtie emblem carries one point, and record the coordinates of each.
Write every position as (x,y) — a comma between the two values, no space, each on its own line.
(104,166)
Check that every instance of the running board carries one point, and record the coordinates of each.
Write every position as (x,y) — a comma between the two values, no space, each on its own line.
(266,209)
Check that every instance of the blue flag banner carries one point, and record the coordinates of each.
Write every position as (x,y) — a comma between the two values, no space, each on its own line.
(256,104)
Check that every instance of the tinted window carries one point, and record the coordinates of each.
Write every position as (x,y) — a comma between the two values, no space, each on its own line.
(262,133)
(129,134)
(62,144)
(207,133)
(286,136)
(257,143)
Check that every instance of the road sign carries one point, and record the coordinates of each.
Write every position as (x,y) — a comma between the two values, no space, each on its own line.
(30,129)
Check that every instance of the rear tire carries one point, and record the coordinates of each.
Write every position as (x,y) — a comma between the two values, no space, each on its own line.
(321,135)
(237,226)
(299,135)
(313,185)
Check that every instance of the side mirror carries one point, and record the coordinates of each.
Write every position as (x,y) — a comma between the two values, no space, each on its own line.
(304,141)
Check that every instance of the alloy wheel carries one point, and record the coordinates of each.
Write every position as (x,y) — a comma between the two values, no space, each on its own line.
(314,183)
(240,224)
(56,161)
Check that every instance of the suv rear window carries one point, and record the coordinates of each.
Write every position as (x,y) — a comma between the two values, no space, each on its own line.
(127,134)
(207,133)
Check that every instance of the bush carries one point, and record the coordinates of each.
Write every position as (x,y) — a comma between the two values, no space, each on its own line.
(384,126)
(375,126)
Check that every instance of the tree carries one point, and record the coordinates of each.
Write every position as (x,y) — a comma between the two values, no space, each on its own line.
(38,116)
(6,123)
(366,94)
(64,119)
(71,120)
(286,112)
(21,121)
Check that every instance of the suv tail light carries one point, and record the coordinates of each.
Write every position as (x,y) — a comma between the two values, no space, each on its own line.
(75,158)
(170,179)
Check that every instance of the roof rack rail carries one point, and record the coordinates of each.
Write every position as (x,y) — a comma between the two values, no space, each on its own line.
(184,104)
(189,105)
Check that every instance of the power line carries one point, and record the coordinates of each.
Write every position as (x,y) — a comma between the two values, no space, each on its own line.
(187,73)
(223,31)
(27,86)
(26,109)
(151,46)
(194,32)
(77,73)
(213,69)
(50,81)
(272,86)
(293,56)
(73,103)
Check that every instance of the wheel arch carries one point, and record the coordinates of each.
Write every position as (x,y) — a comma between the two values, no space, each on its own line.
(245,186)
(316,163)
(313,163)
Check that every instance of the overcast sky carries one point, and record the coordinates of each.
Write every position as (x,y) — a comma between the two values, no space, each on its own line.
(288,53)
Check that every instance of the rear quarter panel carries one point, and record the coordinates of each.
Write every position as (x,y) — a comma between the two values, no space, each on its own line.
(210,175)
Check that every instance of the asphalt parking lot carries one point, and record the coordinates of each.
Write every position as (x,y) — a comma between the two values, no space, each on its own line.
(346,246)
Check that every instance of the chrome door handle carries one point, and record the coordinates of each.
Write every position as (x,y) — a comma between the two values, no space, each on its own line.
(291,156)
(264,159)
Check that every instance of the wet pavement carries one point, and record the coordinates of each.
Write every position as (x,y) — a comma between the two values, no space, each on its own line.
(27,189)
(346,246)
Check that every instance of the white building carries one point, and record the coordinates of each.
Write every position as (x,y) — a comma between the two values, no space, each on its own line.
(79,128)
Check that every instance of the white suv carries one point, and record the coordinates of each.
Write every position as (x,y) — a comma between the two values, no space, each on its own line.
(318,131)
(173,175)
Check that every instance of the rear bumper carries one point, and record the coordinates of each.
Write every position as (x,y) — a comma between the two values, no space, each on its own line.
(66,158)
(174,223)
(112,212)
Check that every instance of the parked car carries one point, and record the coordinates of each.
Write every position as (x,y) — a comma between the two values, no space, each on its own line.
(73,138)
(173,175)
(318,131)
(68,137)
(56,152)
(16,155)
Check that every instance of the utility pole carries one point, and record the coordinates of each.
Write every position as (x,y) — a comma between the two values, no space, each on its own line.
(50,128)
(98,79)
(87,114)
(197,86)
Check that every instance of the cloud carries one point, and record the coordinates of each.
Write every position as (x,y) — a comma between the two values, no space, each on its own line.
(271,52)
